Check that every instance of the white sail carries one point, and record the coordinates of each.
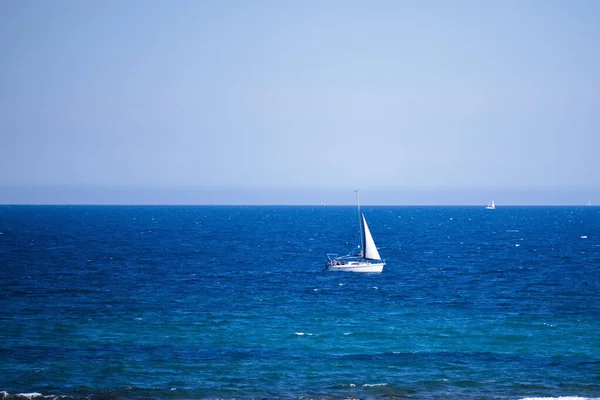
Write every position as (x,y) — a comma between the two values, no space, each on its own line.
(369,249)
(491,206)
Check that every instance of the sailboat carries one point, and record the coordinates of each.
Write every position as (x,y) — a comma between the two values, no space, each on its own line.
(366,260)
(491,206)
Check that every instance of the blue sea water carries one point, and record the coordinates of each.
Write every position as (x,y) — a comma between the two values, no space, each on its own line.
(232,302)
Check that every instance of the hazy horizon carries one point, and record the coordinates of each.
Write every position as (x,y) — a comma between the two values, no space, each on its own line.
(78,195)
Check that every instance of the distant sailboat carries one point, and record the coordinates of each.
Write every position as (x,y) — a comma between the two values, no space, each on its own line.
(588,203)
(368,260)
(491,206)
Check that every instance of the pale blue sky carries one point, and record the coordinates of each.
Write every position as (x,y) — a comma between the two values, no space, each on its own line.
(476,97)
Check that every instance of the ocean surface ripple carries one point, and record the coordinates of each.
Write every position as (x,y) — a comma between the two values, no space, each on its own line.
(231,302)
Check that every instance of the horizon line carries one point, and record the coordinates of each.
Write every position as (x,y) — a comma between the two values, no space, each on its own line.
(424,196)
(277,205)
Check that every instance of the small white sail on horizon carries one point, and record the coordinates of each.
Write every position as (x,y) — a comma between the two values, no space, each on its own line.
(491,205)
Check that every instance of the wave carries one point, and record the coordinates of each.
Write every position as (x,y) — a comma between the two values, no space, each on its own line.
(33,395)
(374,384)
(4,395)
(561,398)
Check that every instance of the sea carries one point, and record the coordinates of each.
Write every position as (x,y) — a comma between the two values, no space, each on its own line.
(232,302)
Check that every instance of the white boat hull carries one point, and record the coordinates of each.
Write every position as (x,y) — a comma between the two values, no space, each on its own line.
(357,267)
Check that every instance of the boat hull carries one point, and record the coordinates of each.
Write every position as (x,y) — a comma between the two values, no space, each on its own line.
(357,267)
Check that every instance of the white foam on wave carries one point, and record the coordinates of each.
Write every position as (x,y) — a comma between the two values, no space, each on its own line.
(561,398)
(29,395)
(374,384)
(302,334)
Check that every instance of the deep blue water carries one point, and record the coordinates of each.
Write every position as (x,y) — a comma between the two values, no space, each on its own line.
(231,302)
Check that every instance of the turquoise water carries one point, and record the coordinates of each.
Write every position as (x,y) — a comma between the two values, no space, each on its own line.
(232,302)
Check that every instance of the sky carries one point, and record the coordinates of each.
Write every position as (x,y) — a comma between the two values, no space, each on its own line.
(299,101)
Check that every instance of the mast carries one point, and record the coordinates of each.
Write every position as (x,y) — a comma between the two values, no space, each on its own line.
(360,225)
